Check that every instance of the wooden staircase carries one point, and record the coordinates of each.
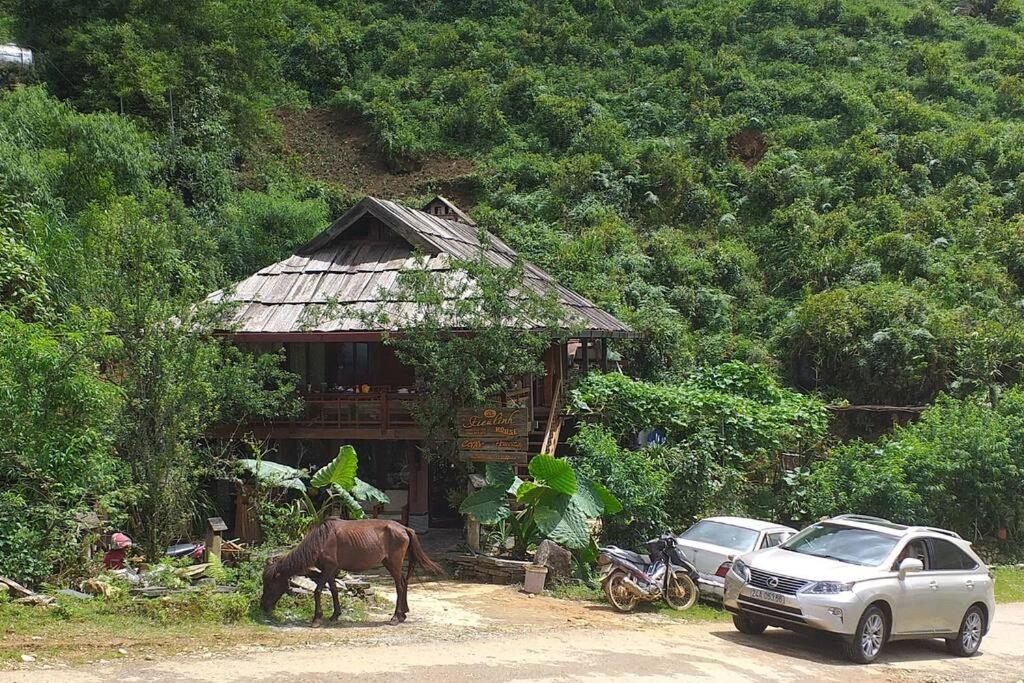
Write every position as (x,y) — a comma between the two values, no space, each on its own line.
(556,418)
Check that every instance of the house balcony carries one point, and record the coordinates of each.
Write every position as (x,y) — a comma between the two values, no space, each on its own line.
(379,413)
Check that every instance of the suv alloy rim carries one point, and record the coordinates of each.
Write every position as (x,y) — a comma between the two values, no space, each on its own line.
(972,632)
(871,638)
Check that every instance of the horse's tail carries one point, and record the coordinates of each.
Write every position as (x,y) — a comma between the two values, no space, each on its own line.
(419,555)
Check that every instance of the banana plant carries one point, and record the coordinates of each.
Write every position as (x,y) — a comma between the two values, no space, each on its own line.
(337,479)
(556,504)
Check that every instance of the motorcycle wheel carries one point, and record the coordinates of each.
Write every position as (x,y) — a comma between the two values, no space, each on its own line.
(619,596)
(681,593)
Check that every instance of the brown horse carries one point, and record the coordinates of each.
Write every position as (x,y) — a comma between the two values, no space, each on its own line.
(352,545)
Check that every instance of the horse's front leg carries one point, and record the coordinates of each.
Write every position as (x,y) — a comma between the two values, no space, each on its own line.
(318,614)
(333,585)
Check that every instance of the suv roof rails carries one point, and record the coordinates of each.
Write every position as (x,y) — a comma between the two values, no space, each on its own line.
(936,530)
(868,519)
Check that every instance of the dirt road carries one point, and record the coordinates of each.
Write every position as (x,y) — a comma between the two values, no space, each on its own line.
(487,633)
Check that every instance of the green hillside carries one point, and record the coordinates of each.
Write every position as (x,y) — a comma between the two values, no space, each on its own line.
(829,189)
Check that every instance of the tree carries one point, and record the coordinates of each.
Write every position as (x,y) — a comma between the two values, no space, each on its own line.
(470,332)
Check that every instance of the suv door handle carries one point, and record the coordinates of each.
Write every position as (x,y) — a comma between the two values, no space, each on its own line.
(933,585)
(970,585)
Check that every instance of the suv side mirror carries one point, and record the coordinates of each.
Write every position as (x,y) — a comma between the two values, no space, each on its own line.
(909,565)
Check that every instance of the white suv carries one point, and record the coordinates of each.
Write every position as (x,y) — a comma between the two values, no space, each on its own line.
(868,580)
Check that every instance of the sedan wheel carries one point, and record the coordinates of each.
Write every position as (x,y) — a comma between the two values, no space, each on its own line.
(968,640)
(869,637)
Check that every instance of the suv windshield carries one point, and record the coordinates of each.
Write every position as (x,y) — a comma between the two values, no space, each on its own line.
(726,535)
(843,543)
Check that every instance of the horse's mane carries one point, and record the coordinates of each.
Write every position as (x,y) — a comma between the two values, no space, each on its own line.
(305,554)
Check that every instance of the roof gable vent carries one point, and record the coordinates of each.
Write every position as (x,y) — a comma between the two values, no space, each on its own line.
(443,208)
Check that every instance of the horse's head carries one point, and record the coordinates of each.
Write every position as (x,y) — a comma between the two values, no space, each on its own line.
(275,583)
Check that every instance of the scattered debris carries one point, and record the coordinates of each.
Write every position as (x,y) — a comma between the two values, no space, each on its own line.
(36,599)
(122,651)
(491,569)
(193,571)
(355,586)
(300,585)
(28,658)
(16,589)
(160,591)
(78,595)
(98,587)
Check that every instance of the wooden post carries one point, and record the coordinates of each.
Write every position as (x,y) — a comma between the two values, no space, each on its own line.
(215,526)
(585,363)
(473,534)
(604,354)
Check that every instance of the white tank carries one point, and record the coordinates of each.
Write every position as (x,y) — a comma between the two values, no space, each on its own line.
(13,56)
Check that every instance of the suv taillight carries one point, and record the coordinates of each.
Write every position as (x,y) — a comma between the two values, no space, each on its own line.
(723,569)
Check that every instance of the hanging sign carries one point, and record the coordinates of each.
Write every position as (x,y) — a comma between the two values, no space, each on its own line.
(494,433)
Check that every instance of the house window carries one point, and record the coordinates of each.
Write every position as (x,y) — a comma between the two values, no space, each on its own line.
(352,363)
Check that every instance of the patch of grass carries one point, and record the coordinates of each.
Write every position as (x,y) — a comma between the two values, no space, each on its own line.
(576,591)
(702,611)
(1009,584)
(76,631)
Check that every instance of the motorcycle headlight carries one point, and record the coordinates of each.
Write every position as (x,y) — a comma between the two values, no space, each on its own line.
(740,569)
(828,588)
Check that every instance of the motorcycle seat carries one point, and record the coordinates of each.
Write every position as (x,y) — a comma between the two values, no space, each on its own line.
(629,555)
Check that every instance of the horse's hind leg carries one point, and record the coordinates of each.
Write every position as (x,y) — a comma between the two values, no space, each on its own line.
(332,583)
(400,590)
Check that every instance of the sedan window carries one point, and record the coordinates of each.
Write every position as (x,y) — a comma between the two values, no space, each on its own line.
(726,535)
(772,540)
(846,544)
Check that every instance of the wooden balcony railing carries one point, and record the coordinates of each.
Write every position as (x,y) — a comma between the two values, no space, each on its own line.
(379,410)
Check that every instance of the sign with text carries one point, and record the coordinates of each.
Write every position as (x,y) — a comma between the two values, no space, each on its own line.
(494,433)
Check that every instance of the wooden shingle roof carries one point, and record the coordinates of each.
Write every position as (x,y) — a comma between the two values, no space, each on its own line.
(329,283)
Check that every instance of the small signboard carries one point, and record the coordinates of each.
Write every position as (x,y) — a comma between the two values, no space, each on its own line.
(515,458)
(494,433)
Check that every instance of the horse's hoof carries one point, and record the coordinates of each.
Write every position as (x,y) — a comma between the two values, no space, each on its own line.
(334,619)
(316,624)
(395,621)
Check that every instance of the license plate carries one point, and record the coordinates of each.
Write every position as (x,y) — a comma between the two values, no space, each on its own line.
(768,596)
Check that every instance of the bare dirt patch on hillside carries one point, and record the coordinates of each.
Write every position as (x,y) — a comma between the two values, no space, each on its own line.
(748,147)
(339,148)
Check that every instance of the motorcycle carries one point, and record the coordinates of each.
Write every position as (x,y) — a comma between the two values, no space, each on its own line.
(629,578)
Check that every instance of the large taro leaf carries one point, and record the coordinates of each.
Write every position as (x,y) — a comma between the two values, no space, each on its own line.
(355,510)
(499,474)
(530,494)
(368,493)
(274,474)
(563,522)
(586,499)
(489,505)
(554,472)
(595,500)
(341,471)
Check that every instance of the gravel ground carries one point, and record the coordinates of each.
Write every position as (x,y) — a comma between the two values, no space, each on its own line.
(478,632)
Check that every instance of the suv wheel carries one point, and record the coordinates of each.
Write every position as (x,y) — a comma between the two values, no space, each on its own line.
(968,640)
(869,637)
(752,627)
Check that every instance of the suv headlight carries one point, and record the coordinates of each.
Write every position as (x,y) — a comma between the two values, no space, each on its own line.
(828,587)
(740,569)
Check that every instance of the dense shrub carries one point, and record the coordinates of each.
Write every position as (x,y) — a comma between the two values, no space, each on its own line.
(960,467)
(726,429)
